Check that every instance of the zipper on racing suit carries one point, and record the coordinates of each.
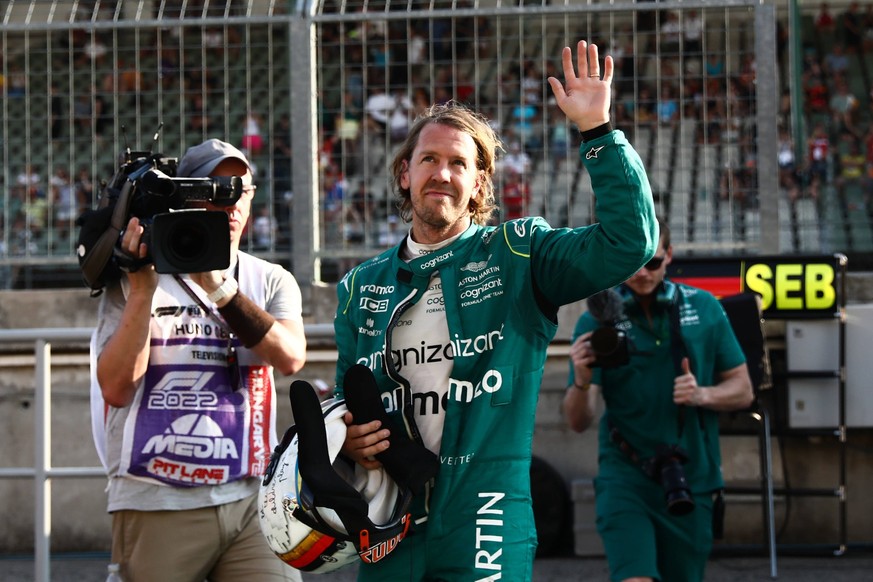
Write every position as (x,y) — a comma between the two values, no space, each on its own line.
(407,408)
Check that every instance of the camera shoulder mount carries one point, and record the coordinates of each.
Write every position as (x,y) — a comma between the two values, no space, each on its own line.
(98,236)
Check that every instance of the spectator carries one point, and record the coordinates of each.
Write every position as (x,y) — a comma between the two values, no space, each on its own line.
(420,101)
(378,108)
(788,171)
(484,35)
(415,50)
(335,188)
(692,34)
(130,83)
(347,135)
(83,113)
(358,217)
(36,209)
(852,165)
(24,241)
(84,187)
(525,124)
(252,140)
(17,83)
(852,28)
(94,52)
(391,231)
(668,105)
(815,91)
(515,161)
(844,107)
(264,229)
(67,202)
(532,84)
(645,107)
(824,21)
(30,181)
(671,33)
(401,114)
(516,195)
(818,158)
(559,133)
(836,61)
(625,64)
(168,66)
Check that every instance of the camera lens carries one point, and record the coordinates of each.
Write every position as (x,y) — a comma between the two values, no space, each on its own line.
(188,242)
(678,494)
(604,341)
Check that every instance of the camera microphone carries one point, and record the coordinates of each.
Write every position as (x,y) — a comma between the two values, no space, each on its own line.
(608,343)
(606,306)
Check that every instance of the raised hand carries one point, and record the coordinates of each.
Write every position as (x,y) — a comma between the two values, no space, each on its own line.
(584,98)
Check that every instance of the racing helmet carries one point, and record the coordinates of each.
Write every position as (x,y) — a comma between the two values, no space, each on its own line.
(318,510)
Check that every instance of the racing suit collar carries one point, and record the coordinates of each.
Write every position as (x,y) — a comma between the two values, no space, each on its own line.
(423,267)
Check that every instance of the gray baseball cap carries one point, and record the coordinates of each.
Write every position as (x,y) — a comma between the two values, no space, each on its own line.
(200,160)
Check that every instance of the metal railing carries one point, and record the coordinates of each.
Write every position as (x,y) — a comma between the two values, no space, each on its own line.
(42,471)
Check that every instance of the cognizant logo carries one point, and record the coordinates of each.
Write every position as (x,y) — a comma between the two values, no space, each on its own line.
(436,261)
(425,353)
(488,286)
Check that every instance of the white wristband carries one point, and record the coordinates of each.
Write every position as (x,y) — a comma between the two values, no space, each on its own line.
(228,288)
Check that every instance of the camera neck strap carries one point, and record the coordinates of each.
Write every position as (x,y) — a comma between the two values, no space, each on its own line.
(677,351)
(232,360)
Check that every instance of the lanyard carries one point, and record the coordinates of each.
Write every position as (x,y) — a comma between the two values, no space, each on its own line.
(232,360)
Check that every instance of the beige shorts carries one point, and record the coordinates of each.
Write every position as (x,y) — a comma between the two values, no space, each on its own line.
(221,543)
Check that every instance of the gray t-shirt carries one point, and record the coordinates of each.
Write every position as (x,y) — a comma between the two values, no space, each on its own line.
(268,285)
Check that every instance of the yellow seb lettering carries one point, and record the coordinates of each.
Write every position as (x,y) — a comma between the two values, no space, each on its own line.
(794,286)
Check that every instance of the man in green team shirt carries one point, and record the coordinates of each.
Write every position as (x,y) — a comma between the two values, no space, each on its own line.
(660,425)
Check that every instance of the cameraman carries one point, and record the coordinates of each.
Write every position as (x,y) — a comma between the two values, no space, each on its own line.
(184,365)
(661,411)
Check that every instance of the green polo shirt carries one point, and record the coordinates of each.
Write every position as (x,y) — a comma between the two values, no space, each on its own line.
(639,395)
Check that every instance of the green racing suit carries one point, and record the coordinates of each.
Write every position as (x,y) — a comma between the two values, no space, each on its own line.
(502,286)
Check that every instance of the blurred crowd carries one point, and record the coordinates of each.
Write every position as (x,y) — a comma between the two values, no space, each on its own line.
(666,74)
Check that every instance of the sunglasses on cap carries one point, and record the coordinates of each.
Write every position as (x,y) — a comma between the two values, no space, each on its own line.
(655,263)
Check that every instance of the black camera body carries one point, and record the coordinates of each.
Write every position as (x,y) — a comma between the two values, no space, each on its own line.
(666,468)
(610,347)
(179,239)
(609,344)
(188,241)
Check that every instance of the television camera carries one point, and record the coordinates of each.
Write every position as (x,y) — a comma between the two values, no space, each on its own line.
(180,239)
